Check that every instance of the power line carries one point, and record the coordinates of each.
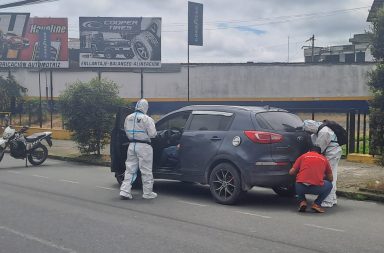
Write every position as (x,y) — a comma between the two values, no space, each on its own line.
(23,2)
(275,20)
(277,17)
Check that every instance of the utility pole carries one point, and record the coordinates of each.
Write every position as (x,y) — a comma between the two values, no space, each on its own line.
(288,50)
(313,47)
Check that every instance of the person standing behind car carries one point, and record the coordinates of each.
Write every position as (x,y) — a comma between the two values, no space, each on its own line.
(326,139)
(139,128)
(310,169)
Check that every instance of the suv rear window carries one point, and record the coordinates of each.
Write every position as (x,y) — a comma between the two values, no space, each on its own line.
(279,121)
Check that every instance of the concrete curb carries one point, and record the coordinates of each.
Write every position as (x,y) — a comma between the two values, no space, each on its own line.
(362,158)
(79,160)
(360,195)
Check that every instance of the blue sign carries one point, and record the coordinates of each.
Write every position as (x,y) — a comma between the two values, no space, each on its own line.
(195,24)
(44,45)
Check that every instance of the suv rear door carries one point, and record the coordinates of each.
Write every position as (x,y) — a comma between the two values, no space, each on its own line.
(201,140)
(294,142)
(118,151)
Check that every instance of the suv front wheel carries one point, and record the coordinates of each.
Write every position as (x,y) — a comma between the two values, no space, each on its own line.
(224,183)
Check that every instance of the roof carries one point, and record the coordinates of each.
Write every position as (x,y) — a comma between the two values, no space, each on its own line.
(377,4)
(360,38)
(231,108)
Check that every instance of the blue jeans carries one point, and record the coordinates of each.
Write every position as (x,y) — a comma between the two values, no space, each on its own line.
(322,191)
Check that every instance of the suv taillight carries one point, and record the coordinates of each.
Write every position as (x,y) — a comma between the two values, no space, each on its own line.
(263,137)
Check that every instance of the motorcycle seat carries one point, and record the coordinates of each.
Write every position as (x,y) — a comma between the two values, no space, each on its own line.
(34,137)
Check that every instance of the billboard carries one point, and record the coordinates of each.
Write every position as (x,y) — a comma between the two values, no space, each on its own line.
(131,42)
(195,24)
(33,42)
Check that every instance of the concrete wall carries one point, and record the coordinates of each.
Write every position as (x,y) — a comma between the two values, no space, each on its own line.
(280,81)
(222,81)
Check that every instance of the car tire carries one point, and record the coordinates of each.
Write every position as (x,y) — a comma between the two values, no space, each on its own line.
(2,151)
(136,185)
(129,54)
(94,51)
(285,191)
(110,53)
(225,184)
(119,178)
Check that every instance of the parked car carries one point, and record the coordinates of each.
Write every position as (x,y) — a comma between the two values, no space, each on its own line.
(14,41)
(230,148)
(111,44)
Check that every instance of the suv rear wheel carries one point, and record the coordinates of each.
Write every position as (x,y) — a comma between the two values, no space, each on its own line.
(224,183)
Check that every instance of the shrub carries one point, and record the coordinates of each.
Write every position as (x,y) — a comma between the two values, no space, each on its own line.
(88,111)
(376,83)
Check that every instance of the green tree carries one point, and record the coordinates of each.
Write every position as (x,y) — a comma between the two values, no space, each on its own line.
(376,83)
(11,93)
(88,111)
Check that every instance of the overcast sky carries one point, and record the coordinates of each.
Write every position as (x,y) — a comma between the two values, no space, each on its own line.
(234,31)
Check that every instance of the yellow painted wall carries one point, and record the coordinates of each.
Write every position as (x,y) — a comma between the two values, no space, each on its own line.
(58,134)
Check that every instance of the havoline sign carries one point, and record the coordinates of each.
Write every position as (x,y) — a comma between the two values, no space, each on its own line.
(131,42)
(33,42)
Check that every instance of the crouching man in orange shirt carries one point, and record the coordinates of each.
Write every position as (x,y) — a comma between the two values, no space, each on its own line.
(310,169)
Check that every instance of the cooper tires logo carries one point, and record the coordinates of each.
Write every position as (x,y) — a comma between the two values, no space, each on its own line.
(92,25)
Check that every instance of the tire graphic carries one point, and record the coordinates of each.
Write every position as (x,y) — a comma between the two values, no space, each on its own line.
(146,46)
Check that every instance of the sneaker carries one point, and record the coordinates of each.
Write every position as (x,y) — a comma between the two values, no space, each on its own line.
(302,206)
(128,197)
(151,195)
(326,204)
(317,208)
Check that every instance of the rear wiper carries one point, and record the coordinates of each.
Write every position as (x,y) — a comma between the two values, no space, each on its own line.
(288,127)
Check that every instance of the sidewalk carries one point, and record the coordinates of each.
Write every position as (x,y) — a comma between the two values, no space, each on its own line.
(352,177)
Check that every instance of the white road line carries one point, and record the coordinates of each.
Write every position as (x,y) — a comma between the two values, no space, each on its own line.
(254,214)
(68,181)
(36,239)
(40,176)
(14,172)
(326,228)
(105,188)
(191,203)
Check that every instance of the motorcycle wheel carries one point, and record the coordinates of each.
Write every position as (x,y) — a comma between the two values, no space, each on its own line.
(2,151)
(38,155)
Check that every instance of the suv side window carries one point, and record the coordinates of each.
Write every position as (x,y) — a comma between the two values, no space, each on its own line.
(208,122)
(176,120)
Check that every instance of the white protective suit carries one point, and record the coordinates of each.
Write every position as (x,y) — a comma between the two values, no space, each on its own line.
(326,139)
(139,128)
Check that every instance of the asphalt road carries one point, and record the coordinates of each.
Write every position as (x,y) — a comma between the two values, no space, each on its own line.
(69,207)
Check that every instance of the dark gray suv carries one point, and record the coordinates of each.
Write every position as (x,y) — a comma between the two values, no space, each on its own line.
(231,148)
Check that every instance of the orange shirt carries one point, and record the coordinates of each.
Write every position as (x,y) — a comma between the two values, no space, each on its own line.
(312,167)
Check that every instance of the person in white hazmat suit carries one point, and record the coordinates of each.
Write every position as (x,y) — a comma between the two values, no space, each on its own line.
(326,139)
(139,128)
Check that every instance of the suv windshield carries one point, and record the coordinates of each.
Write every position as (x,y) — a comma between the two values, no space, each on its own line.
(279,121)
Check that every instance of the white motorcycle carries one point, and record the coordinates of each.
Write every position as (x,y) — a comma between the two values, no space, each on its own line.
(22,147)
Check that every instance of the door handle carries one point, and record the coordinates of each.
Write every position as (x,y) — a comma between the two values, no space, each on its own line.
(215,138)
